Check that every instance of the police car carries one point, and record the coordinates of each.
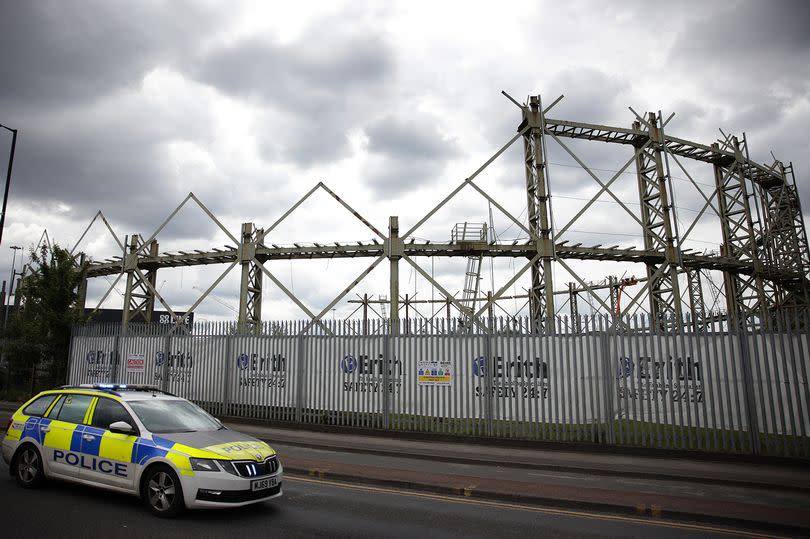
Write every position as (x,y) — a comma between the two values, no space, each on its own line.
(139,440)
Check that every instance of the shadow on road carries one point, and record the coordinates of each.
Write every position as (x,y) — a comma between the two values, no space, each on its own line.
(84,495)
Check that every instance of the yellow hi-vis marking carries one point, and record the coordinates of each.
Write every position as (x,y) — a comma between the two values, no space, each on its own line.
(90,409)
(59,435)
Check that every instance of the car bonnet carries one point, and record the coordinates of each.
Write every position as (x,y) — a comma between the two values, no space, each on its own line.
(228,444)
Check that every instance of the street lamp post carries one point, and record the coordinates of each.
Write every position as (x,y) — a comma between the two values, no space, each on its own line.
(8,178)
(4,359)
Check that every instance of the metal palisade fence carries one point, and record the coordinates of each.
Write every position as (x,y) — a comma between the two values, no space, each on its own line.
(660,384)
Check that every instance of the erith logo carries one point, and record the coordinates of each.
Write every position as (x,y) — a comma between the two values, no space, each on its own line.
(89,462)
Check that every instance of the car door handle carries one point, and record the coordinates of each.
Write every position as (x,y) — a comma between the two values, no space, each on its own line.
(88,437)
(45,429)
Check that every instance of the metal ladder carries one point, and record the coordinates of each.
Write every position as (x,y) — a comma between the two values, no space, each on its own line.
(472,279)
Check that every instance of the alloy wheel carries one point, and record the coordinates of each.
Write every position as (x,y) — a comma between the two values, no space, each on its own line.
(161,491)
(28,466)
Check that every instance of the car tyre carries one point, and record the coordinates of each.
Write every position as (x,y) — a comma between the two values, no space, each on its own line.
(162,493)
(28,468)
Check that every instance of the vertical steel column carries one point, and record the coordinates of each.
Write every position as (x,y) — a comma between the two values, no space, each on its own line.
(613,289)
(657,216)
(696,303)
(784,240)
(798,220)
(541,293)
(573,296)
(151,276)
(365,314)
(139,301)
(394,249)
(745,294)
(250,293)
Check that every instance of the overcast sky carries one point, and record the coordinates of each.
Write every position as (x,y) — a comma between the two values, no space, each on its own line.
(126,107)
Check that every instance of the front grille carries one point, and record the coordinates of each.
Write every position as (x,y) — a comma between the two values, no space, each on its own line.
(246,468)
(237,496)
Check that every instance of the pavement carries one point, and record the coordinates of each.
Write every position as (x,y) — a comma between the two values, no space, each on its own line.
(760,494)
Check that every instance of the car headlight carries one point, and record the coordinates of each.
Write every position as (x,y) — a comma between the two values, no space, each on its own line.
(204,465)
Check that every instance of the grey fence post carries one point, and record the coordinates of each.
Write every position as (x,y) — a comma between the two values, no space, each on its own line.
(388,364)
(226,391)
(299,383)
(164,382)
(115,360)
(748,390)
(610,411)
(488,368)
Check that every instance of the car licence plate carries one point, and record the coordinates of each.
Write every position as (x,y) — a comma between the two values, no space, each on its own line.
(262,484)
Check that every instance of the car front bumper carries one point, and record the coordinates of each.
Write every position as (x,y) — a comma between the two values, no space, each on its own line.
(221,489)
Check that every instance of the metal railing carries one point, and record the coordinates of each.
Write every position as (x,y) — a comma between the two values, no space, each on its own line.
(620,382)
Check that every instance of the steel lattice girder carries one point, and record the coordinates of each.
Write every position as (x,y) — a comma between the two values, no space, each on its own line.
(696,303)
(250,297)
(745,294)
(541,296)
(656,217)
(784,239)
(139,300)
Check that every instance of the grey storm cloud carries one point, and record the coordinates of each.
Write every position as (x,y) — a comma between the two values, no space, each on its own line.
(115,163)
(316,86)
(408,152)
(70,86)
(744,33)
(309,74)
(93,86)
(58,52)
(769,41)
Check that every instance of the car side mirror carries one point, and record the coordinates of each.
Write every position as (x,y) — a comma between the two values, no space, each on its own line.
(122,427)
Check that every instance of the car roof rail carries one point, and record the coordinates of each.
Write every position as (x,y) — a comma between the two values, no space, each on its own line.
(115,389)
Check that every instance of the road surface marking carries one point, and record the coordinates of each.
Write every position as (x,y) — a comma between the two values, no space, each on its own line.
(546,510)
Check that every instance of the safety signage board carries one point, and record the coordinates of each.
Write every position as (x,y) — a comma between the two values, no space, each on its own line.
(434,373)
(136,363)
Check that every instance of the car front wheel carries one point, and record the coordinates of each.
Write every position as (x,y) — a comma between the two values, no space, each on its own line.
(162,493)
(28,467)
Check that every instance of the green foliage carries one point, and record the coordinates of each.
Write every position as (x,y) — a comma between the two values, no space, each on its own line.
(38,335)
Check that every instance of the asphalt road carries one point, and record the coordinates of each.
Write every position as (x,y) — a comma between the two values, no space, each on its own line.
(708,492)
(311,508)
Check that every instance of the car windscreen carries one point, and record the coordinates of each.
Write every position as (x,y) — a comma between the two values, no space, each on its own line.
(164,416)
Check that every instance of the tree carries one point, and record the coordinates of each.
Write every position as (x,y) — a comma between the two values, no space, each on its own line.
(38,335)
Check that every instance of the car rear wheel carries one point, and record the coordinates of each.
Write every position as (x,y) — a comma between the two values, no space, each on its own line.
(28,467)
(162,493)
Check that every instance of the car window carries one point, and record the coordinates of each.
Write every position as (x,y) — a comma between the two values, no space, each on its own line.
(108,412)
(73,408)
(40,406)
(172,415)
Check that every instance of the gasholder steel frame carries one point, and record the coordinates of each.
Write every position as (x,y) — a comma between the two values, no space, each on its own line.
(764,257)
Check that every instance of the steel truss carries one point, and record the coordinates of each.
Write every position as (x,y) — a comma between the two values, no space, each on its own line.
(764,258)
(139,298)
(784,238)
(250,296)
(657,223)
(745,293)
(541,298)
